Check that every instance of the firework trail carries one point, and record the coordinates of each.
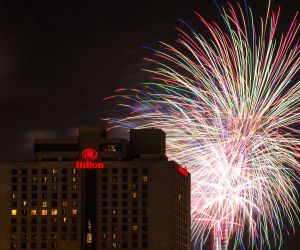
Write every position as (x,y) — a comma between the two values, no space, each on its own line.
(229,104)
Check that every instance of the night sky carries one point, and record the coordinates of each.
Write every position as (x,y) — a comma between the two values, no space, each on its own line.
(60,58)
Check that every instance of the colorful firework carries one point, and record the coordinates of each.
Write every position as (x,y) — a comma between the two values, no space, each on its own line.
(229,103)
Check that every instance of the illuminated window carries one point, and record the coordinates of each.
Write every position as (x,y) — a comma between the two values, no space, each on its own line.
(114,244)
(14,196)
(134,195)
(114,211)
(74,178)
(74,211)
(54,211)
(74,203)
(104,236)
(24,203)
(65,203)
(14,212)
(44,179)
(64,220)
(33,212)
(145,178)
(74,187)
(44,212)
(114,236)
(44,204)
(112,148)
(134,228)
(134,186)
(54,171)
(54,187)
(34,179)
(74,170)
(54,179)
(115,179)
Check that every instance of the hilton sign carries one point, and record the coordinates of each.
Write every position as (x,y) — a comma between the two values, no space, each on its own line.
(89,154)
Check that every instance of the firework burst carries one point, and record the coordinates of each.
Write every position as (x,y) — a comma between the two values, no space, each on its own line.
(229,104)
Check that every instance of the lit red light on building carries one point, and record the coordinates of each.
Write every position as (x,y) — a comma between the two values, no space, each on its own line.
(183,171)
(89,154)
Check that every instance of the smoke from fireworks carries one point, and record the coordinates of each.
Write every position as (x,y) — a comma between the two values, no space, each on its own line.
(229,104)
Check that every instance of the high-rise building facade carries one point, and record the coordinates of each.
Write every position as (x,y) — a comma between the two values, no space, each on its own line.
(94,192)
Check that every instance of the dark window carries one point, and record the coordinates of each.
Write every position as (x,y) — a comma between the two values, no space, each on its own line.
(34,187)
(64,195)
(54,196)
(74,195)
(104,228)
(134,170)
(24,171)
(64,179)
(44,196)
(104,211)
(55,147)
(54,203)
(14,179)
(14,204)
(114,220)
(64,187)
(34,171)
(144,203)
(64,229)
(134,203)
(74,220)
(124,195)
(144,195)
(124,219)
(14,188)
(44,229)
(104,179)
(64,171)
(134,244)
(124,244)
(33,245)
(104,203)
(124,170)
(134,236)
(33,220)
(124,211)
(104,187)
(13,221)
(145,187)
(44,171)
(54,228)
(24,220)
(44,220)
(104,220)
(34,203)
(114,170)
(14,171)
(44,187)
(134,219)
(144,236)
(104,195)
(115,195)
(44,245)
(134,211)
(144,228)
(124,178)
(24,179)
(124,186)
(33,228)
(23,245)
(145,220)
(134,179)
(145,170)
(124,203)
(74,237)
(144,245)
(114,187)
(114,203)
(14,229)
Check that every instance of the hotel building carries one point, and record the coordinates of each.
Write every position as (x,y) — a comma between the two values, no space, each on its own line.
(94,192)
